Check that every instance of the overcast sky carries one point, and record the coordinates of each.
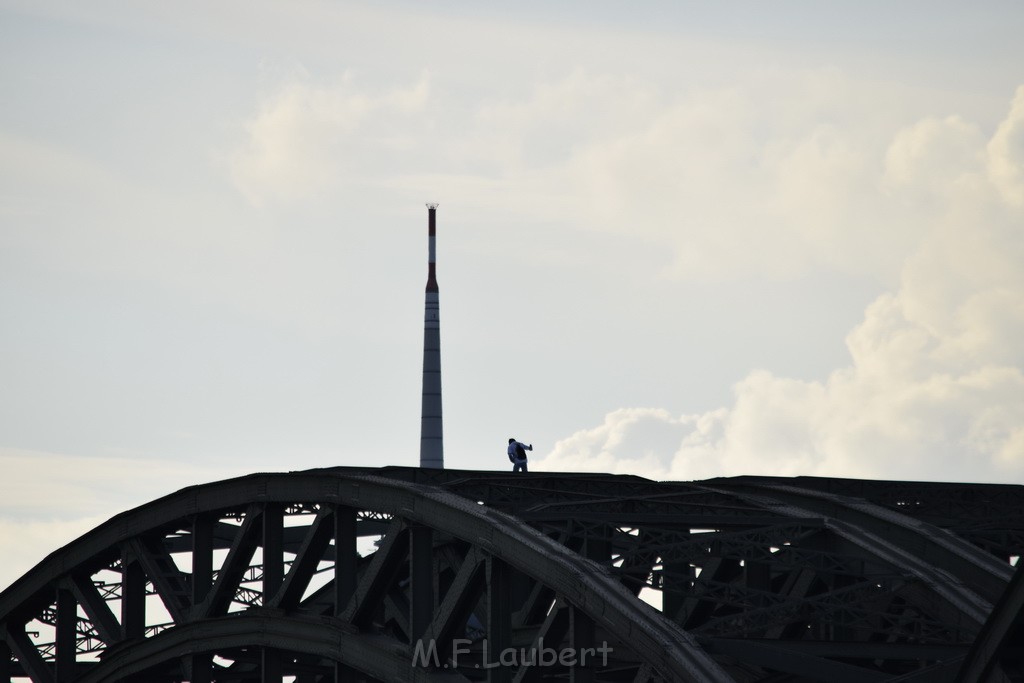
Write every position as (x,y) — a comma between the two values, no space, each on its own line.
(678,239)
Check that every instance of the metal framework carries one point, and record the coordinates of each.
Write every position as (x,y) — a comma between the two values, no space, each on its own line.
(403,574)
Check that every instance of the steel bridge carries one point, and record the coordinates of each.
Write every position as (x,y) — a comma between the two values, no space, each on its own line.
(403,574)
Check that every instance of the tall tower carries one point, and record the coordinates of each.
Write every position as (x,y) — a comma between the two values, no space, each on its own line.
(431,441)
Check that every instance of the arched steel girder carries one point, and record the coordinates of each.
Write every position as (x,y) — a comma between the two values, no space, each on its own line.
(866,534)
(593,600)
(989,516)
(773,590)
(328,639)
(891,539)
(882,536)
(984,574)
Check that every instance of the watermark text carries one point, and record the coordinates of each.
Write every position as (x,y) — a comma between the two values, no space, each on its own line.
(477,654)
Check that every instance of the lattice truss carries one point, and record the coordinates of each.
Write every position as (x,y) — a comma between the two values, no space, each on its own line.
(404,574)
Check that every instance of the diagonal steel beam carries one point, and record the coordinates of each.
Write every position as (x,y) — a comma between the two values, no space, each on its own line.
(28,656)
(237,561)
(170,583)
(96,608)
(458,603)
(373,585)
(1002,633)
(551,634)
(317,539)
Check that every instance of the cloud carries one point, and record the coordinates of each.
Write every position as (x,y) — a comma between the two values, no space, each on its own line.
(934,388)
(770,174)
(309,136)
(934,154)
(629,440)
(1006,153)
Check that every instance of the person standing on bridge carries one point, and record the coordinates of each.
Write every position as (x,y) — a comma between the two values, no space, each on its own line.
(517,455)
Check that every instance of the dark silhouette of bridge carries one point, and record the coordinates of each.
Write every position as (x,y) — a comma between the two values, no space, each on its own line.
(403,574)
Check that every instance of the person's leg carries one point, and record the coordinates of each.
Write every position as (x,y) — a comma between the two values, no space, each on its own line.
(515,467)
(524,467)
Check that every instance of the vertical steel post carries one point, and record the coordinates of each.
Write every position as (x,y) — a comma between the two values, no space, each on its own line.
(676,579)
(67,622)
(346,557)
(273,550)
(598,544)
(499,620)
(5,661)
(270,664)
(421,571)
(202,579)
(273,577)
(202,557)
(581,640)
(133,598)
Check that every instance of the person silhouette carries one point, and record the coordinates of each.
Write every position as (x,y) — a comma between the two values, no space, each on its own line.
(517,455)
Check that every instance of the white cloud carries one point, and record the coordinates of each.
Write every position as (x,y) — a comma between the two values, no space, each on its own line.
(629,440)
(1006,153)
(934,154)
(770,174)
(935,387)
(308,137)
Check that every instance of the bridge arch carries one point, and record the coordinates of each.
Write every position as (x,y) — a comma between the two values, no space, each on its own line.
(441,561)
(337,574)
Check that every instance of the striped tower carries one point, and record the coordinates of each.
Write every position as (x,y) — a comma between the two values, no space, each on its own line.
(431,441)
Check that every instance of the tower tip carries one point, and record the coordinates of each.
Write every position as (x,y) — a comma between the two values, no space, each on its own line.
(431,205)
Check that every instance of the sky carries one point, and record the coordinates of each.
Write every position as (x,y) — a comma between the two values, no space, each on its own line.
(675,239)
